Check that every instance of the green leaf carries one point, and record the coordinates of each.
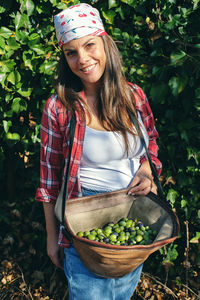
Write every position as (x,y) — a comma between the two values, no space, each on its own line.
(48,67)
(158,92)
(5,32)
(183,203)
(177,56)
(121,12)
(16,105)
(2,9)
(27,58)
(197,46)
(129,2)
(62,6)
(34,36)
(172,252)
(29,6)
(13,136)
(109,16)
(2,42)
(25,92)
(38,49)
(8,114)
(112,3)
(6,125)
(195,4)
(3,78)
(196,238)
(21,36)
(12,44)
(126,36)
(8,97)
(172,195)
(197,93)
(5,6)
(11,77)
(117,33)
(14,77)
(2,51)
(7,65)
(177,84)
(34,41)
(19,105)
(20,20)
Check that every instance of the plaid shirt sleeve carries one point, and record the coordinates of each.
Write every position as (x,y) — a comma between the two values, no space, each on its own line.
(142,105)
(51,153)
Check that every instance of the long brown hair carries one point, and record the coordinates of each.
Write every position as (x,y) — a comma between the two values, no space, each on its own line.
(116,97)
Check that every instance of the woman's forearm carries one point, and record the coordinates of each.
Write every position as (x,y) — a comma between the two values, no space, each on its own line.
(145,170)
(53,249)
(51,222)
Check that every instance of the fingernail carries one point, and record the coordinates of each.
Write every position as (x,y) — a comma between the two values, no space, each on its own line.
(131,193)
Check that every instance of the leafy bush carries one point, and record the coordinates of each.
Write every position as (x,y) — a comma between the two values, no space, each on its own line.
(160,46)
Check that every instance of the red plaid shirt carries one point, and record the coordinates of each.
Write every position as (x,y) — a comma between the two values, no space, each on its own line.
(54,149)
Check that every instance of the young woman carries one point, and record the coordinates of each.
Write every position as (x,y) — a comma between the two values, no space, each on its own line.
(107,153)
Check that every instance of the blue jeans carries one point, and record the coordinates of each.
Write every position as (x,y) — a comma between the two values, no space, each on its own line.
(85,285)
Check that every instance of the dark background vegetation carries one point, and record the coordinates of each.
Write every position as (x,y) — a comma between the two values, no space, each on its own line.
(159,41)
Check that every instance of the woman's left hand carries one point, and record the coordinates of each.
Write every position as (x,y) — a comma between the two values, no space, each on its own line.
(143,182)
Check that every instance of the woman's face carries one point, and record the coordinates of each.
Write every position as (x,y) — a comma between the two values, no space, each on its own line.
(86,58)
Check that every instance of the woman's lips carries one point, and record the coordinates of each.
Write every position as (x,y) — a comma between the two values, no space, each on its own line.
(88,69)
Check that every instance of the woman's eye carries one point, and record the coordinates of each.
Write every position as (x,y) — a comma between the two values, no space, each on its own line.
(90,45)
(70,53)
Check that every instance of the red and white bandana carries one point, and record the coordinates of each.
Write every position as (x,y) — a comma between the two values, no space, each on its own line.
(77,21)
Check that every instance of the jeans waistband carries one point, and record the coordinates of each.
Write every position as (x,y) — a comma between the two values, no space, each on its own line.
(88,192)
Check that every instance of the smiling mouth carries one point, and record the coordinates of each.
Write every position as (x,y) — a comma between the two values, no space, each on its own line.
(85,70)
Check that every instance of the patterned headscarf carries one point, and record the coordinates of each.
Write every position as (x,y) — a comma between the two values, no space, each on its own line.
(77,21)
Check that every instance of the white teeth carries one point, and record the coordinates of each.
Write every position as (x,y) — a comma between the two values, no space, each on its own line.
(88,69)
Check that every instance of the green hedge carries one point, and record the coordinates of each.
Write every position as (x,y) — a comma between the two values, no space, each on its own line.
(160,44)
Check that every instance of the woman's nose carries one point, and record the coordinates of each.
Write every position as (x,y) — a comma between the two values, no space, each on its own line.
(82,56)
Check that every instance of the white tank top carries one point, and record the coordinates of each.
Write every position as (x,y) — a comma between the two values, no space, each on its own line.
(105,164)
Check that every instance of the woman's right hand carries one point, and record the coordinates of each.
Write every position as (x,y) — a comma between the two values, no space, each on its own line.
(54,251)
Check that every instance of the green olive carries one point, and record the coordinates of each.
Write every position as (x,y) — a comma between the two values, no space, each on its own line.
(113,238)
(122,223)
(107,231)
(94,232)
(99,231)
(140,232)
(121,238)
(91,237)
(138,238)
(124,232)
(117,229)
(86,233)
(80,233)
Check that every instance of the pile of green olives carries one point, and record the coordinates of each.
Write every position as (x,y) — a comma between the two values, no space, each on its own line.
(126,232)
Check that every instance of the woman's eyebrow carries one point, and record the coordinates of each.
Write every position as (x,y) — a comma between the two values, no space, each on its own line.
(90,39)
(68,49)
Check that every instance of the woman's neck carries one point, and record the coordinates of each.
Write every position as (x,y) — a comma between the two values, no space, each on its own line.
(90,98)
(91,89)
